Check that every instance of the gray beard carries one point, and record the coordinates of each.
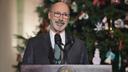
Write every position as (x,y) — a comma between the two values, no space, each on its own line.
(60,22)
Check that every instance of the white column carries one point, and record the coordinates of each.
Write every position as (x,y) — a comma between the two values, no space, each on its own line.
(7,55)
(30,20)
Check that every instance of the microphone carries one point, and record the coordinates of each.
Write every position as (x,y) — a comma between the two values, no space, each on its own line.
(67,48)
(58,54)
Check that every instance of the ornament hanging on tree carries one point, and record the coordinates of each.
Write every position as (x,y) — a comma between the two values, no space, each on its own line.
(104,20)
(115,2)
(126,2)
(119,23)
(96,59)
(99,27)
(74,7)
(121,44)
(109,57)
(110,26)
(83,15)
(126,21)
(105,23)
(98,2)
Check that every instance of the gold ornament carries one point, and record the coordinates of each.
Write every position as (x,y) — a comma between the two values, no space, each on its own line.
(65,69)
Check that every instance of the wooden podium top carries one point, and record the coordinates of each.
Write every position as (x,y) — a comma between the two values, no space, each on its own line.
(66,68)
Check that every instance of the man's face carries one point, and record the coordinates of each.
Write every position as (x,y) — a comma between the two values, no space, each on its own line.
(59,17)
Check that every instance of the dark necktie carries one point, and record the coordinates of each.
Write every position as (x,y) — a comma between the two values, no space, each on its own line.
(57,49)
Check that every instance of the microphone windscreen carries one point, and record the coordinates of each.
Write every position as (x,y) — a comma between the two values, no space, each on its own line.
(57,39)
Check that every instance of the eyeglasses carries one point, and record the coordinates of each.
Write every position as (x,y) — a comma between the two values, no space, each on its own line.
(58,14)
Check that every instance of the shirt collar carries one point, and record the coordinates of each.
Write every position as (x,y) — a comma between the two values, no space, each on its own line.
(52,34)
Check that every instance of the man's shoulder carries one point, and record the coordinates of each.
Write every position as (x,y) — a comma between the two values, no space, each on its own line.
(74,38)
(78,40)
(38,37)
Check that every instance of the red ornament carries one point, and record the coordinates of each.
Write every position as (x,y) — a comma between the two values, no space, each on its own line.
(98,2)
(121,44)
(115,2)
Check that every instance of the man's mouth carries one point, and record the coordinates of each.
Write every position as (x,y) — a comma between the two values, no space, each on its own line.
(59,22)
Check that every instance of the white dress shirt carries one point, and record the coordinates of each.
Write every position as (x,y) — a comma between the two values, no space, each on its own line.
(52,34)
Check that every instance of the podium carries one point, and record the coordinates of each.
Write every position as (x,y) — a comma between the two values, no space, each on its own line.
(66,68)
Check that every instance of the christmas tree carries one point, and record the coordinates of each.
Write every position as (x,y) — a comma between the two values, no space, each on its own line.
(102,24)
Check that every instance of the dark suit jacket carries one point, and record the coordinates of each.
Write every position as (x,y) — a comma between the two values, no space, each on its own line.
(40,51)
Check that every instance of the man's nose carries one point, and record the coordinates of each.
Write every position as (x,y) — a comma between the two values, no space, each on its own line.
(61,17)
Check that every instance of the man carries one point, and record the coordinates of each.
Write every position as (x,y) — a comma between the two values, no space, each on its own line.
(42,49)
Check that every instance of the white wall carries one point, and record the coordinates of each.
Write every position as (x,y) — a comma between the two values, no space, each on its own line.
(30,21)
(9,27)
(7,55)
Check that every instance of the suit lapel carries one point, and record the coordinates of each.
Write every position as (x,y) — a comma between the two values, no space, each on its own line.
(47,38)
(50,49)
(67,47)
(69,41)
